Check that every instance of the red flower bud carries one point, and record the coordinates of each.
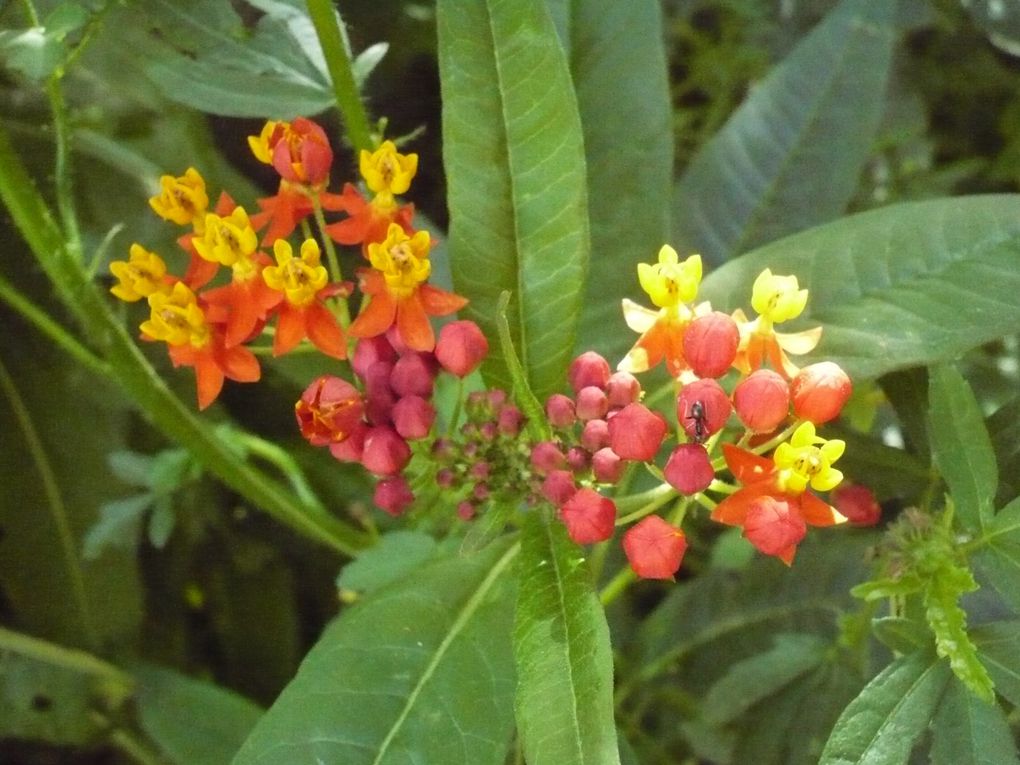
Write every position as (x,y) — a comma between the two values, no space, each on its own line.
(588,369)
(578,459)
(636,432)
(413,374)
(654,548)
(350,449)
(689,470)
(510,420)
(819,392)
(546,456)
(702,409)
(774,527)
(762,400)
(393,495)
(461,347)
(370,350)
(559,410)
(606,466)
(857,503)
(595,435)
(623,388)
(465,510)
(445,478)
(591,403)
(710,344)
(328,410)
(589,517)
(558,486)
(480,492)
(413,417)
(385,452)
(302,154)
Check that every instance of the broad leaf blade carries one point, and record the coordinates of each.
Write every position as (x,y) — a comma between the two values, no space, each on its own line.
(880,726)
(791,156)
(999,555)
(564,661)
(961,446)
(999,647)
(515,164)
(880,281)
(422,666)
(969,731)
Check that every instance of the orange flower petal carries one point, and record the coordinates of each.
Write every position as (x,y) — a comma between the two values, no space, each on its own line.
(733,510)
(290,329)
(324,331)
(437,302)
(818,513)
(413,324)
(239,364)
(209,379)
(376,317)
(747,467)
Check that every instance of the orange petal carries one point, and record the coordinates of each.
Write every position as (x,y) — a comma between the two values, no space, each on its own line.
(376,317)
(818,513)
(437,302)
(746,466)
(290,329)
(733,510)
(240,364)
(413,324)
(209,379)
(324,331)
(786,556)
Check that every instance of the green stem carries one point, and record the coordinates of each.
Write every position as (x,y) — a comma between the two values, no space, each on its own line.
(659,497)
(283,462)
(30,12)
(130,745)
(60,336)
(456,407)
(339,304)
(638,500)
(617,586)
(338,61)
(137,378)
(50,489)
(62,170)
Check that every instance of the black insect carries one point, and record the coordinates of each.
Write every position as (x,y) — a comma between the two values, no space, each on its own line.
(698,414)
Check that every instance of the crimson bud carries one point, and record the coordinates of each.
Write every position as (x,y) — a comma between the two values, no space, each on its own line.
(558,486)
(607,466)
(819,392)
(762,400)
(857,503)
(636,432)
(413,417)
(370,350)
(559,410)
(385,452)
(588,369)
(546,456)
(412,374)
(393,495)
(595,435)
(588,516)
(654,548)
(623,388)
(689,470)
(591,403)
(461,347)
(710,344)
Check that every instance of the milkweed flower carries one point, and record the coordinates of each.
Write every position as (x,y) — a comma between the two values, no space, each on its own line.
(182,199)
(801,463)
(143,274)
(299,151)
(671,285)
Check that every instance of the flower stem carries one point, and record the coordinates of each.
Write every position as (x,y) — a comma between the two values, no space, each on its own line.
(339,305)
(617,586)
(338,61)
(661,498)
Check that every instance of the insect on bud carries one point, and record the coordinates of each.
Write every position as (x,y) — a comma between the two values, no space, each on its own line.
(702,409)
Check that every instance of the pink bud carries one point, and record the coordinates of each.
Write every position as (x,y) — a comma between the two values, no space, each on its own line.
(413,374)
(578,459)
(393,495)
(510,420)
(546,456)
(689,470)
(819,392)
(607,466)
(445,478)
(488,430)
(623,388)
(385,452)
(591,403)
(588,369)
(370,350)
(589,517)
(710,344)
(654,548)
(480,470)
(595,435)
(480,492)
(774,527)
(636,432)
(702,409)
(444,450)
(379,407)
(558,486)
(465,510)
(377,378)
(559,410)
(329,409)
(413,417)
(857,503)
(350,449)
(461,347)
(762,400)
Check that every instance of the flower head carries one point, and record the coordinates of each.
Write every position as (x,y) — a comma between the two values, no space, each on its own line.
(298,150)
(777,298)
(807,459)
(329,410)
(176,318)
(299,278)
(670,282)
(143,274)
(226,239)
(387,171)
(403,260)
(182,200)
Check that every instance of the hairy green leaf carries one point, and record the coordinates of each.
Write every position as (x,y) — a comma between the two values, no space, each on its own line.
(880,726)
(961,447)
(970,731)
(564,662)
(880,281)
(421,668)
(791,156)
(514,157)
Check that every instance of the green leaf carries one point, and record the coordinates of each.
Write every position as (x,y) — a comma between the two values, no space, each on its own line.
(118,526)
(1004,431)
(564,661)
(55,694)
(901,634)
(422,668)
(193,722)
(514,158)
(791,156)
(749,681)
(907,391)
(32,52)
(623,96)
(999,647)
(969,731)
(200,53)
(961,447)
(132,468)
(880,281)
(880,726)
(998,553)
(161,523)
(397,556)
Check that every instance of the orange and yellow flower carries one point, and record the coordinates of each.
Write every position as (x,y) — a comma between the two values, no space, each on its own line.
(143,274)
(182,200)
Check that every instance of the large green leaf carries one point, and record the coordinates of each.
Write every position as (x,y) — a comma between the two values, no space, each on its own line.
(514,158)
(999,647)
(56,694)
(999,553)
(623,94)
(969,731)
(905,285)
(193,722)
(961,446)
(564,661)
(422,668)
(880,726)
(790,157)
